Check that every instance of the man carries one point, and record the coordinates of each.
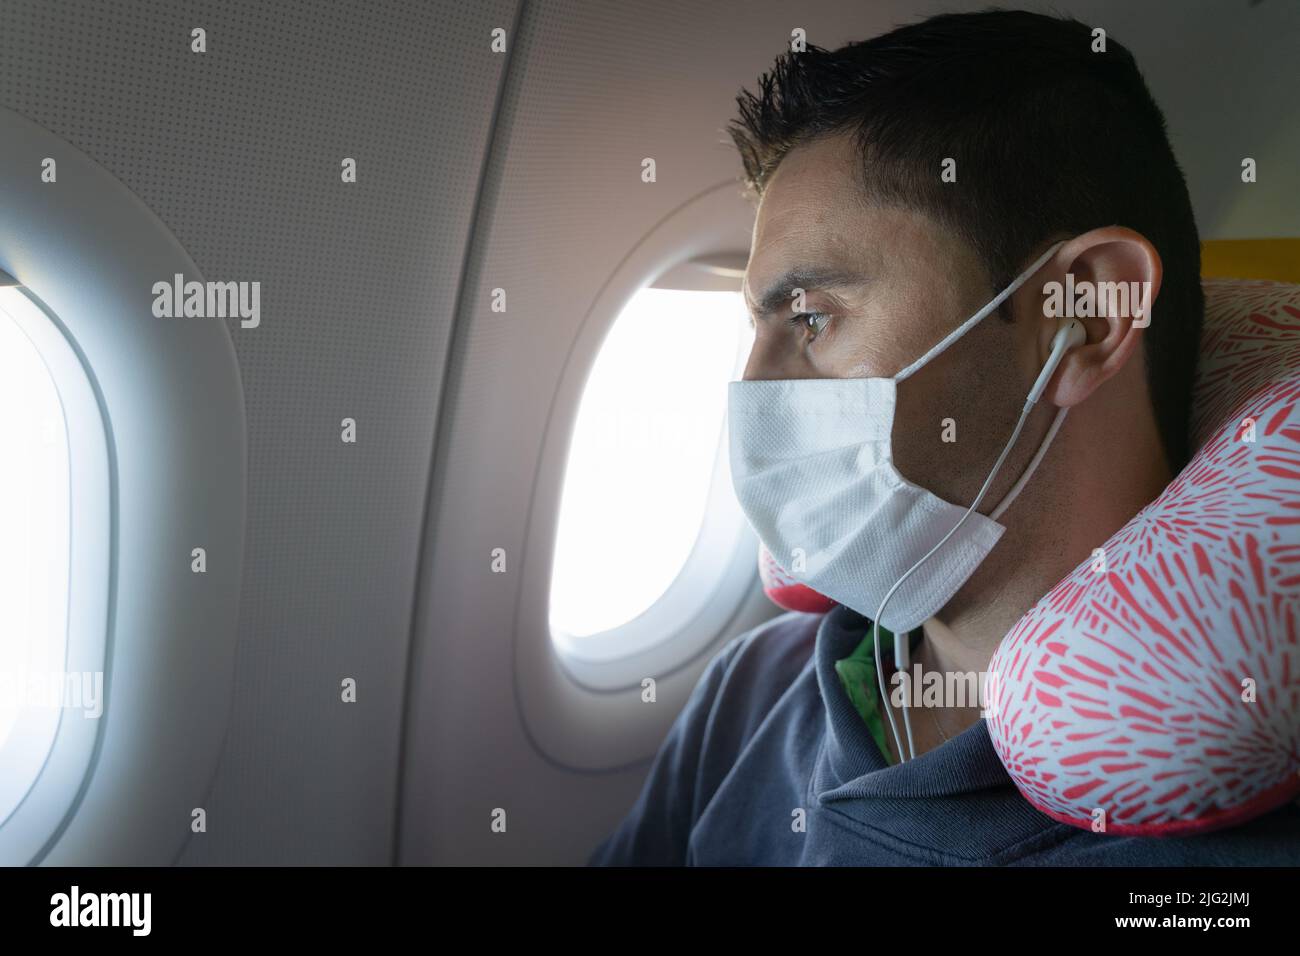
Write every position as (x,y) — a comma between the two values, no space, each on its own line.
(903,182)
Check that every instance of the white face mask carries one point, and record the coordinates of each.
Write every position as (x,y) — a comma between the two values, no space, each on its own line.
(813,469)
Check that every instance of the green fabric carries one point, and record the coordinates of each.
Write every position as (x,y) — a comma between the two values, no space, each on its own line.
(858,675)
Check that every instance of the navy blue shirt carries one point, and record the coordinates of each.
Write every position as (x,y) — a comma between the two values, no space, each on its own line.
(769,764)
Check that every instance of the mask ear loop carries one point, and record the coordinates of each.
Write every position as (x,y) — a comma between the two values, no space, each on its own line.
(983,313)
(901,652)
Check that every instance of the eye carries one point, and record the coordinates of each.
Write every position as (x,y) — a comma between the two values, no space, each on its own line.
(813,322)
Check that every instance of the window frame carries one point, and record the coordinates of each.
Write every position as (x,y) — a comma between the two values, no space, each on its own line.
(597,717)
(173,410)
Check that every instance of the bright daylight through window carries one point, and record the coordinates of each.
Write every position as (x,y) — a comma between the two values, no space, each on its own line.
(34,552)
(644,456)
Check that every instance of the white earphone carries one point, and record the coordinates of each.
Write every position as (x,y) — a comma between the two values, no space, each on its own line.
(1069,334)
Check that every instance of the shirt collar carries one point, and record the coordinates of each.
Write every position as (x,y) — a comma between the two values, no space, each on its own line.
(853,765)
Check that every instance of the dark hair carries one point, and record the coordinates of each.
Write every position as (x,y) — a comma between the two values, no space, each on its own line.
(1050,139)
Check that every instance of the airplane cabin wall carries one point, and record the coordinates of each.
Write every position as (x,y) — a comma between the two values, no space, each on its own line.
(238,151)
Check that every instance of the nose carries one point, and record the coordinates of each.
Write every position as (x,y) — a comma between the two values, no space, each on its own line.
(768,361)
(755,365)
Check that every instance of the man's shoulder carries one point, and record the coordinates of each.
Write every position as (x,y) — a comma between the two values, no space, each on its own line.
(770,656)
(732,696)
(745,679)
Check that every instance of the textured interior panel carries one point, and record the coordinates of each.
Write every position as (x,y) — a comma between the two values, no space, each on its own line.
(238,150)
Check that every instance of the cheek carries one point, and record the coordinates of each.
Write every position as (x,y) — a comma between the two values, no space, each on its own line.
(949,431)
(852,354)
(941,430)
(916,437)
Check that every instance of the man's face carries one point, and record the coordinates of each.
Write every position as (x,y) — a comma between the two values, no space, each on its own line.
(880,287)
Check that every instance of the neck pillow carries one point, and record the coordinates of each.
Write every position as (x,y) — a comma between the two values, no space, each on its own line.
(1155,690)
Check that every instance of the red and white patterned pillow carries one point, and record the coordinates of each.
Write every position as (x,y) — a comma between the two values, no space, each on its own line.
(1165,690)
(787,591)
(1159,693)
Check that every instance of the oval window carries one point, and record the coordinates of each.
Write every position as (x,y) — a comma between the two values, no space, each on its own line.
(646,483)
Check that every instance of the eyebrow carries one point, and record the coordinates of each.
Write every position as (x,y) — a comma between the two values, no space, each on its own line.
(808,279)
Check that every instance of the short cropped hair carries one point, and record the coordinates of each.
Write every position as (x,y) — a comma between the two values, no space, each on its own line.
(1049,138)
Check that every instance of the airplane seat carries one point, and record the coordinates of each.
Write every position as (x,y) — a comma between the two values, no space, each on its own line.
(1153,690)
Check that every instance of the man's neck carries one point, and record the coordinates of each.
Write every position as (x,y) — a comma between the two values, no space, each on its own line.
(1079,498)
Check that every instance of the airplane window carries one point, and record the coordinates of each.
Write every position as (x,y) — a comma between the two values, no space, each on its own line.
(646,457)
(35,518)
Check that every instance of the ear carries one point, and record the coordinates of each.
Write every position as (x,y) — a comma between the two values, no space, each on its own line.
(1108,279)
